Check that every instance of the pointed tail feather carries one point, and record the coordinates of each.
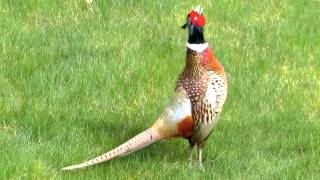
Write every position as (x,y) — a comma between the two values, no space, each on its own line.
(140,141)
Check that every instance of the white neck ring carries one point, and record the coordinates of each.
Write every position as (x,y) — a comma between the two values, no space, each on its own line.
(197,47)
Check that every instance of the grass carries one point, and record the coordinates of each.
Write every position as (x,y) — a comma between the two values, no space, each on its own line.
(74,84)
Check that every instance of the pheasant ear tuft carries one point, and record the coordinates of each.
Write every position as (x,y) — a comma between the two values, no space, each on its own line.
(199,9)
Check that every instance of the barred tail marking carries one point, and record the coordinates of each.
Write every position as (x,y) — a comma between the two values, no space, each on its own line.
(140,141)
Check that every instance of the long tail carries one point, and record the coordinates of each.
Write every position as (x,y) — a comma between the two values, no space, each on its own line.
(140,141)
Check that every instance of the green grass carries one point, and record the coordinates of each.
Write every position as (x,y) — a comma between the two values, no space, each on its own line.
(74,84)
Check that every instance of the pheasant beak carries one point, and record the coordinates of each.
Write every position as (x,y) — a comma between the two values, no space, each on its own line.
(184,26)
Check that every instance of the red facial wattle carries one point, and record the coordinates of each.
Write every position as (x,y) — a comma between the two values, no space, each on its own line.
(197,19)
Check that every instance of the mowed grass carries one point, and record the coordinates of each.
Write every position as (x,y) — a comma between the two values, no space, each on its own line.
(74,84)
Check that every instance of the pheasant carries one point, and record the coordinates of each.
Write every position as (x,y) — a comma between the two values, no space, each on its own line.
(194,109)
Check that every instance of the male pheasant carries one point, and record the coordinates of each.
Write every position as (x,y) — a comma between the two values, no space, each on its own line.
(195,107)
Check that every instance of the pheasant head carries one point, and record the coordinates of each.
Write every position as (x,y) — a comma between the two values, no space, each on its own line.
(195,24)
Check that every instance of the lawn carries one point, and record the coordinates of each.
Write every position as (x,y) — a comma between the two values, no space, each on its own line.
(76,83)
